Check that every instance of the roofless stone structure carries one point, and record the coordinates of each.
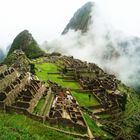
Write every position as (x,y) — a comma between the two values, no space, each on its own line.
(21,93)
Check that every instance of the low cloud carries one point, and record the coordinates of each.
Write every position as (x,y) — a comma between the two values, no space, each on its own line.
(112,50)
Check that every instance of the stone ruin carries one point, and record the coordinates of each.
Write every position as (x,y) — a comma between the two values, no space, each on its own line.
(64,106)
(29,96)
(20,92)
(95,80)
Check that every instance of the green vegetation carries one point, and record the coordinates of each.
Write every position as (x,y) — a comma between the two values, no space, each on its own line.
(104,116)
(44,72)
(96,130)
(83,99)
(14,127)
(43,69)
(70,129)
(49,71)
(25,42)
(32,68)
(49,103)
(129,118)
(132,105)
(39,106)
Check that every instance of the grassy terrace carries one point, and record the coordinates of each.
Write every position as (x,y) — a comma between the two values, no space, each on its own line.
(43,69)
(97,131)
(48,106)
(20,127)
(83,99)
(104,116)
(39,106)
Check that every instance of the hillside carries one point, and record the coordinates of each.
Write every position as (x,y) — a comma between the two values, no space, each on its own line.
(122,125)
(25,42)
(109,113)
(68,98)
(59,97)
(108,46)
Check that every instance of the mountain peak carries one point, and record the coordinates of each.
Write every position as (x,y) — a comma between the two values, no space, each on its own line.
(81,19)
(25,42)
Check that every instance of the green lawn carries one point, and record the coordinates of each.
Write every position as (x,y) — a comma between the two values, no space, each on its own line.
(83,99)
(48,106)
(43,69)
(19,127)
(97,131)
(39,106)
(104,116)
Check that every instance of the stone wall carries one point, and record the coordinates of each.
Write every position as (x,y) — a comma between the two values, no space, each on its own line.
(44,119)
(11,109)
(17,89)
(20,93)
(94,79)
(3,68)
(37,97)
(7,77)
(66,123)
(2,106)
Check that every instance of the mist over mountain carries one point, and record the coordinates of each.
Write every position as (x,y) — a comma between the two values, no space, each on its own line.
(97,41)
(25,42)
(81,19)
(1,54)
(80,88)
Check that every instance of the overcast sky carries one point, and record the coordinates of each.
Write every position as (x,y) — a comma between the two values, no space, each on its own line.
(46,19)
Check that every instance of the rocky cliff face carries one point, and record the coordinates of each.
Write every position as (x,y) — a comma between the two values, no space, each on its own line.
(81,19)
(25,42)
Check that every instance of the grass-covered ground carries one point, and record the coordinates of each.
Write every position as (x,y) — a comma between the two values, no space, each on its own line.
(96,130)
(127,121)
(39,106)
(104,116)
(43,70)
(20,127)
(83,99)
(47,108)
